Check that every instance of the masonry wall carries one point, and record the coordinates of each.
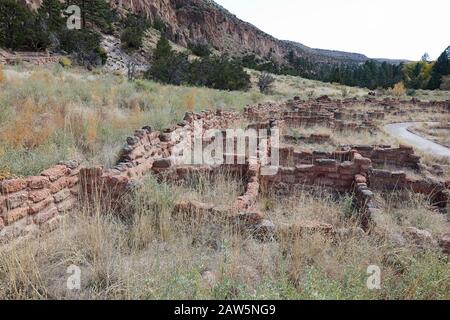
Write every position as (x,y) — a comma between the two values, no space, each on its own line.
(32,205)
(386,155)
(328,173)
(35,204)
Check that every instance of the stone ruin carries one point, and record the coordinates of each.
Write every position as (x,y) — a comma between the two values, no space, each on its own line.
(34,205)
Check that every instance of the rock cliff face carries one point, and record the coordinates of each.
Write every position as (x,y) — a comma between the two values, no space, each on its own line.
(192,20)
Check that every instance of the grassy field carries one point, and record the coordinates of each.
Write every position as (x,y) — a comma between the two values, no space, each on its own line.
(54,114)
(152,255)
(147,253)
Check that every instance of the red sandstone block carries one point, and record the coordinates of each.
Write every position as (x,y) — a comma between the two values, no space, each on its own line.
(360,179)
(66,205)
(51,224)
(405,147)
(56,172)
(75,191)
(14,215)
(447,185)
(59,184)
(72,181)
(35,208)
(399,175)
(162,163)
(45,215)
(15,200)
(61,195)
(13,185)
(359,159)
(38,182)
(2,204)
(38,195)
(308,227)
(304,168)
(325,169)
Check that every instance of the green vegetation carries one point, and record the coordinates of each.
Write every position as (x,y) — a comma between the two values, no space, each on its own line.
(23,29)
(220,73)
(200,48)
(440,69)
(95,13)
(133,32)
(371,74)
(51,115)
(20,29)
(265,82)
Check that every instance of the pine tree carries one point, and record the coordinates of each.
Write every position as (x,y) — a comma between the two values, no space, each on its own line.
(94,12)
(50,14)
(441,68)
(163,49)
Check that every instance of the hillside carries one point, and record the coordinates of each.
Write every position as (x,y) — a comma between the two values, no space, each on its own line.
(189,21)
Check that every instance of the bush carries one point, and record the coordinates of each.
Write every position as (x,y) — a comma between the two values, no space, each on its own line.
(265,82)
(134,31)
(213,72)
(172,69)
(219,73)
(65,62)
(200,49)
(84,45)
(20,28)
(399,89)
(445,85)
(159,25)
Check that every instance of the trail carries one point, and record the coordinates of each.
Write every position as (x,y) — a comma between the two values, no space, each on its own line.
(400,130)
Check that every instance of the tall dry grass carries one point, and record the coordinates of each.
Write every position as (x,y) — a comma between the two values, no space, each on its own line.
(50,115)
(151,254)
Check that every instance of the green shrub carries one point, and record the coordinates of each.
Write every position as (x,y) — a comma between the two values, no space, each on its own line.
(20,28)
(131,37)
(134,31)
(65,62)
(200,49)
(212,72)
(84,45)
(159,25)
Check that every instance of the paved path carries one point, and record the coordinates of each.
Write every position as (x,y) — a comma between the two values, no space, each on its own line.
(400,130)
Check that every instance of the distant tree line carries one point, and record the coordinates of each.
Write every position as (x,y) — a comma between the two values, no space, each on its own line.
(370,74)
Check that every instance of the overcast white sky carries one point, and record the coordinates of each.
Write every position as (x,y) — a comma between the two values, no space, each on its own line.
(403,29)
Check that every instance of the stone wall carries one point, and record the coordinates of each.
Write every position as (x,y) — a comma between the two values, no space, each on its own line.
(31,205)
(35,204)
(403,156)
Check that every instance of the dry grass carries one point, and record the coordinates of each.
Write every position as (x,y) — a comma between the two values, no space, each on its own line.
(147,253)
(438,132)
(50,115)
(405,209)
(151,255)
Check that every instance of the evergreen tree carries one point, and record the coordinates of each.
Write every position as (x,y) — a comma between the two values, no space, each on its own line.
(50,13)
(14,21)
(163,49)
(441,68)
(94,13)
